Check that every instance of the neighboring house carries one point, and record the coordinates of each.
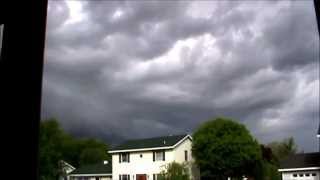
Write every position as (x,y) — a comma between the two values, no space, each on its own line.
(65,168)
(301,167)
(144,159)
(305,166)
(100,171)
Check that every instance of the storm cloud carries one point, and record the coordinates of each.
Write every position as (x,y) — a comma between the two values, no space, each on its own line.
(130,69)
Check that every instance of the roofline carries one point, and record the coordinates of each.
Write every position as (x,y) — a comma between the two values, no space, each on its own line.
(298,169)
(179,142)
(68,164)
(154,148)
(109,174)
(141,149)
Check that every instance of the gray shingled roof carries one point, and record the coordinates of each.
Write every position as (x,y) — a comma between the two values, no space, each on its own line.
(99,168)
(301,161)
(164,141)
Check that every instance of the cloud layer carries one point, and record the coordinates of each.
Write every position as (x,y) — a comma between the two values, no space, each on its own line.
(118,70)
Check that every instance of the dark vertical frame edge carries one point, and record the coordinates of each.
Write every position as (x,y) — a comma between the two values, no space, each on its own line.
(21,71)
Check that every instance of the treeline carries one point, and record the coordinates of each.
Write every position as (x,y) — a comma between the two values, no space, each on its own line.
(225,148)
(221,147)
(56,145)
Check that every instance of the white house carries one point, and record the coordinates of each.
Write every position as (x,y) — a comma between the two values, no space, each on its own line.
(143,159)
(304,166)
(301,167)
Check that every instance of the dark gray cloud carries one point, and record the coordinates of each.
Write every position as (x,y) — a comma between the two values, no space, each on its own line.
(139,69)
(293,37)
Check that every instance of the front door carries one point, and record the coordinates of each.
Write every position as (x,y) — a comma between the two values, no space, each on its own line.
(141,177)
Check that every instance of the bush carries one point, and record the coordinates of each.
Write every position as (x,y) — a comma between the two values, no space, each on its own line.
(175,171)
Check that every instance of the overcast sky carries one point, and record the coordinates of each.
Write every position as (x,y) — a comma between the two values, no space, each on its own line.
(132,69)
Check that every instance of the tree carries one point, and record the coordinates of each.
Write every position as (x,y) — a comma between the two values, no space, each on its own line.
(283,148)
(270,171)
(175,171)
(92,151)
(56,145)
(49,153)
(224,148)
(268,165)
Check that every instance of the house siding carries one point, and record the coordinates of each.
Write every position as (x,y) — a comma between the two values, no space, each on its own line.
(178,152)
(139,165)
(179,157)
(146,165)
(289,175)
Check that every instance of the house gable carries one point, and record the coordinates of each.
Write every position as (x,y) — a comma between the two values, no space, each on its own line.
(182,151)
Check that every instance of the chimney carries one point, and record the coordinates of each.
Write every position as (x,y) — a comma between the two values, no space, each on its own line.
(105,162)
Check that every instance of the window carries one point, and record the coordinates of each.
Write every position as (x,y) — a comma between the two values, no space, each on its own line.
(186,155)
(307,174)
(140,155)
(294,175)
(124,157)
(124,177)
(313,174)
(159,156)
(301,175)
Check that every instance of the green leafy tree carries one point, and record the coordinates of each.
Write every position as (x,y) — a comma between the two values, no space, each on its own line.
(270,171)
(92,156)
(50,149)
(284,148)
(273,153)
(269,164)
(71,150)
(175,171)
(224,148)
(56,145)
(92,151)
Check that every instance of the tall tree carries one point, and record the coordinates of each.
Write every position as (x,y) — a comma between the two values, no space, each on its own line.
(56,145)
(224,148)
(50,140)
(284,148)
(269,164)
(92,151)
